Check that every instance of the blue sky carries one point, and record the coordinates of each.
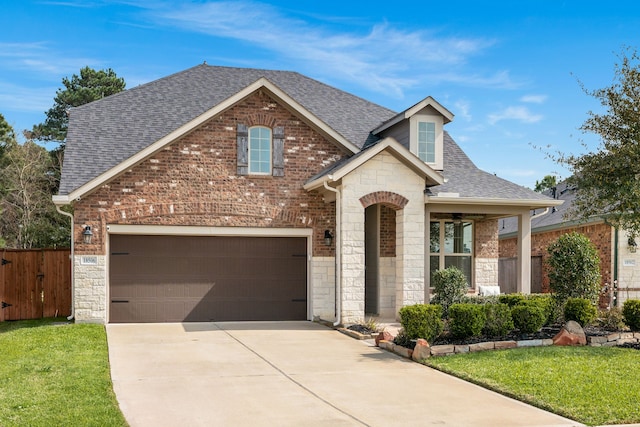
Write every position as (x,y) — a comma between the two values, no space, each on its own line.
(510,71)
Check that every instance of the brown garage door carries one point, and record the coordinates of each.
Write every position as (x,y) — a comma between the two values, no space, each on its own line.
(201,279)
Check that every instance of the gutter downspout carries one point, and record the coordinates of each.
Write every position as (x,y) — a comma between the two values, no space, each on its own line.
(72,257)
(338,258)
(543,213)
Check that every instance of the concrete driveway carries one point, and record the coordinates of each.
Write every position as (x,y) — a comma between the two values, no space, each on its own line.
(289,374)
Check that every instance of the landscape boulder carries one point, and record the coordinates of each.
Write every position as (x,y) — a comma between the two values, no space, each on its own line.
(383,336)
(421,351)
(570,334)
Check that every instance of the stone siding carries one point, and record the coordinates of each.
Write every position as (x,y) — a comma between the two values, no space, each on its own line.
(383,173)
(90,297)
(323,292)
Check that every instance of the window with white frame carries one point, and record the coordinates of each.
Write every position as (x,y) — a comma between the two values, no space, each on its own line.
(451,244)
(427,141)
(260,150)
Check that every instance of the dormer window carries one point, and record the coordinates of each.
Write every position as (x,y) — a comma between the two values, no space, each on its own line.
(426,138)
(427,141)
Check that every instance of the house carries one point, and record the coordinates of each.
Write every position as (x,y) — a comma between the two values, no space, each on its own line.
(619,260)
(224,193)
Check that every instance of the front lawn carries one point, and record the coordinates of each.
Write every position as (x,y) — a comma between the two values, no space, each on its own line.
(592,385)
(54,374)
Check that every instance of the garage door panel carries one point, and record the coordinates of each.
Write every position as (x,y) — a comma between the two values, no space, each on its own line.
(178,278)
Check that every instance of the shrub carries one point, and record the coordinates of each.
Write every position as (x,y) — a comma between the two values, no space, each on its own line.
(478,299)
(403,340)
(528,317)
(466,320)
(547,303)
(631,314)
(611,319)
(580,310)
(450,286)
(574,268)
(499,321)
(511,299)
(422,321)
(544,301)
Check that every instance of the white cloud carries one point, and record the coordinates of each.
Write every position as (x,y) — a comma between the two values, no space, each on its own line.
(38,58)
(521,114)
(462,108)
(379,59)
(534,99)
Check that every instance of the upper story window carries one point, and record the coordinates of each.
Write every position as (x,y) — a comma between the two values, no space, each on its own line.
(260,150)
(427,141)
(426,138)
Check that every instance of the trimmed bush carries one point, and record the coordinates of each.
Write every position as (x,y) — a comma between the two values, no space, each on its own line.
(450,286)
(512,299)
(544,301)
(466,320)
(499,321)
(580,310)
(574,268)
(547,303)
(477,299)
(528,318)
(631,314)
(422,321)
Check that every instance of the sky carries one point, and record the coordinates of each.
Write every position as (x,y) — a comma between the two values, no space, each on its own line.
(513,73)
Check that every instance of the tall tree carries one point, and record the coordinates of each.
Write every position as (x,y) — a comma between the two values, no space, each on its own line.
(78,90)
(607,180)
(29,218)
(7,141)
(546,183)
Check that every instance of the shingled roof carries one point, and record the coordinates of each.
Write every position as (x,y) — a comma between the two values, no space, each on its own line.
(467,180)
(104,133)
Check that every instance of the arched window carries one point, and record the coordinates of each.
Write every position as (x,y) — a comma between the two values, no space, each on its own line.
(260,150)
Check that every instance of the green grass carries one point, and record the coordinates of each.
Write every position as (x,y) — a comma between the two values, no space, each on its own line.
(55,375)
(592,385)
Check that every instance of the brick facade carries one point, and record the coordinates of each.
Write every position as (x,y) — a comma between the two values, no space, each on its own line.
(193,181)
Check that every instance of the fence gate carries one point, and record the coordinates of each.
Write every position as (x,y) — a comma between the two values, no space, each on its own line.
(507,275)
(35,283)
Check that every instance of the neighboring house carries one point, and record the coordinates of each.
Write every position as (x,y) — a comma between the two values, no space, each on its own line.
(241,194)
(619,261)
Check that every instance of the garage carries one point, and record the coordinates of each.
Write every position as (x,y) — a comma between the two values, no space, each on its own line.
(206,278)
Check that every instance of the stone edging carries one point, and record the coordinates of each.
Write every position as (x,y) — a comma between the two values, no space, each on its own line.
(610,340)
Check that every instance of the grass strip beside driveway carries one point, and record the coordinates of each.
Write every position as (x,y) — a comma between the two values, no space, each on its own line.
(55,374)
(592,385)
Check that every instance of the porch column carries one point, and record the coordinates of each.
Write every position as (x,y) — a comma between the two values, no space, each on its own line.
(523,284)
(410,252)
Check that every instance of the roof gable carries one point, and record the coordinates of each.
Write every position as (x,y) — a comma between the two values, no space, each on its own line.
(389,145)
(428,104)
(122,129)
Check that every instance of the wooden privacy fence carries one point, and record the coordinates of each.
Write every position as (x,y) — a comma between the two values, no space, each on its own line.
(507,275)
(35,283)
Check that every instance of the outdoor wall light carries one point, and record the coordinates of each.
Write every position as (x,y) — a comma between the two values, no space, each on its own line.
(87,234)
(328,238)
(631,242)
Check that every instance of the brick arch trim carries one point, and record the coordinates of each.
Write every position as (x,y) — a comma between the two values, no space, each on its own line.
(393,200)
